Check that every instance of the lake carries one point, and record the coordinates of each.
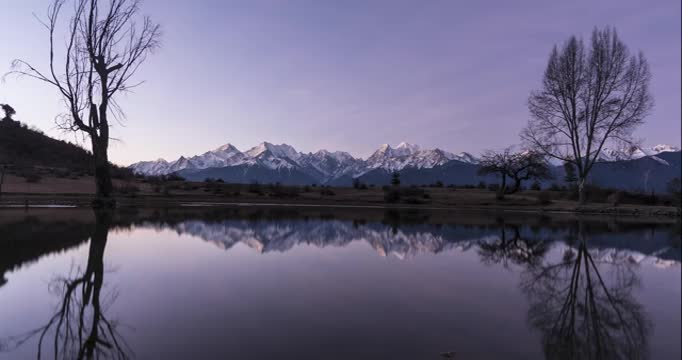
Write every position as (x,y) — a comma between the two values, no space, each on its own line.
(283,283)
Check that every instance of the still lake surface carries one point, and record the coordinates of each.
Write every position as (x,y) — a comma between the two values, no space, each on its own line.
(259,283)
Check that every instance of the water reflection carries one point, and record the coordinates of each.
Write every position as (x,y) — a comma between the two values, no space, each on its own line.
(581,313)
(578,275)
(79,328)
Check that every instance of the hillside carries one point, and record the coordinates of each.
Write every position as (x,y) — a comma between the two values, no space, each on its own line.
(27,152)
(24,147)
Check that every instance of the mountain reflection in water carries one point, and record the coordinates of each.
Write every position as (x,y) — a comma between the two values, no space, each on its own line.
(578,275)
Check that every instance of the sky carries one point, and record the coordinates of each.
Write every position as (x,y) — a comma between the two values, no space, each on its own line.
(346,75)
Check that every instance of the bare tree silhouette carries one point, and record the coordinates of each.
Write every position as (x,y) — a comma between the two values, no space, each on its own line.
(589,97)
(580,314)
(79,328)
(517,166)
(105,46)
(515,250)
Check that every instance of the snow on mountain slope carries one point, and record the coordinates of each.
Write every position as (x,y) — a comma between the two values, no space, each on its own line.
(608,154)
(323,164)
(326,166)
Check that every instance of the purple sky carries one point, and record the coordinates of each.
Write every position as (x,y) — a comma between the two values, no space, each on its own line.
(348,75)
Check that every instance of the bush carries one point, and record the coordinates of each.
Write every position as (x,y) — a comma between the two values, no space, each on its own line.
(535,186)
(255,188)
(615,198)
(127,189)
(391,195)
(544,198)
(481,185)
(494,187)
(409,195)
(325,191)
(279,191)
(33,178)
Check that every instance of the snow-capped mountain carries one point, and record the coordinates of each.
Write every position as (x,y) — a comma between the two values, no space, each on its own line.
(406,241)
(323,165)
(638,168)
(635,152)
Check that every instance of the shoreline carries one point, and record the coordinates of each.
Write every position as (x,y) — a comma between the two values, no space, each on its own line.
(61,201)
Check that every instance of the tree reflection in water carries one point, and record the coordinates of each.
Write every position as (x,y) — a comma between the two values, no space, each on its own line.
(582,314)
(79,328)
(515,250)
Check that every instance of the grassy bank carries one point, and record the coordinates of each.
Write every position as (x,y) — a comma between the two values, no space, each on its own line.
(156,193)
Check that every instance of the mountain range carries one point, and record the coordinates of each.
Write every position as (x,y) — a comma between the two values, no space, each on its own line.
(414,240)
(638,168)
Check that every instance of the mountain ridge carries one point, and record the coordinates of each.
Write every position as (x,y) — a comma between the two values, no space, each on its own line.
(270,163)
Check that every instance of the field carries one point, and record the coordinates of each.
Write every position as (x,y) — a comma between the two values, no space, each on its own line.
(79,191)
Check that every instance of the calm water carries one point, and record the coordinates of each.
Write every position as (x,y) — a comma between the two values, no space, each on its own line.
(256,283)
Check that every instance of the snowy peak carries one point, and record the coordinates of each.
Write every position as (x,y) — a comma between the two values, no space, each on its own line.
(282,150)
(408,155)
(406,149)
(326,166)
(226,148)
(634,152)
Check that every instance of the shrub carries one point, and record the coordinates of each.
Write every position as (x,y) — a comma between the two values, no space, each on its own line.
(535,186)
(325,191)
(127,189)
(255,188)
(439,184)
(409,195)
(481,185)
(544,198)
(494,187)
(674,188)
(615,198)
(391,195)
(279,191)
(33,177)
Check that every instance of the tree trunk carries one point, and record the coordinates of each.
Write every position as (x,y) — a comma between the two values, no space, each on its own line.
(582,198)
(517,186)
(103,183)
(503,188)
(2,178)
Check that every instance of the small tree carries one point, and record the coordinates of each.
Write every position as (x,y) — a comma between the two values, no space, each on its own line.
(675,189)
(395,178)
(9,112)
(569,174)
(589,98)
(514,166)
(3,168)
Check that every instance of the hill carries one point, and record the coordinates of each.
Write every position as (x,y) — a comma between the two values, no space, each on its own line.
(23,147)
(31,154)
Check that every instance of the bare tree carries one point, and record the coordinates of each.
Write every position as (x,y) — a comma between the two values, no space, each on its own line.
(79,327)
(517,166)
(585,313)
(105,46)
(589,97)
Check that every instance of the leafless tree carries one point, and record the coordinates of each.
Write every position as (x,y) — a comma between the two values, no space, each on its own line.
(515,250)
(589,98)
(79,328)
(582,313)
(517,166)
(106,44)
